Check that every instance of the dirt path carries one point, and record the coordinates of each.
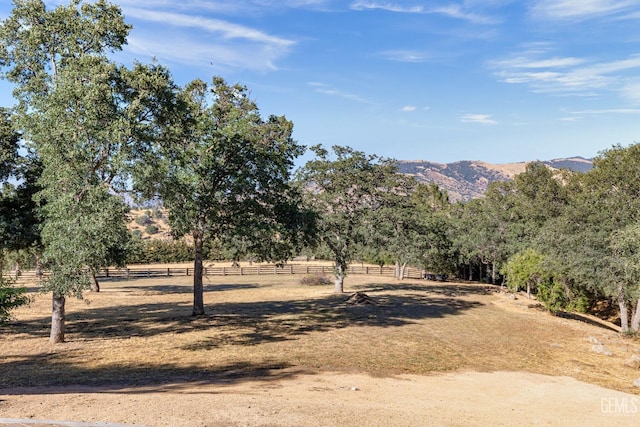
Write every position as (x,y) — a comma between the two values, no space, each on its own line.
(336,399)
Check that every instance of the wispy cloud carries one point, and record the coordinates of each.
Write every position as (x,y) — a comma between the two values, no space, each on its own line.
(200,41)
(631,91)
(454,11)
(608,111)
(484,119)
(568,75)
(457,12)
(408,108)
(580,9)
(390,7)
(405,55)
(225,29)
(328,90)
(231,7)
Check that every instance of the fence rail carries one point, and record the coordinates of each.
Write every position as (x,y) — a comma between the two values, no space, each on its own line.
(30,277)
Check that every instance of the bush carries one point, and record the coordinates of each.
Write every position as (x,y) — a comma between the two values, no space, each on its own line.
(143,220)
(158,251)
(315,280)
(10,298)
(151,229)
(553,295)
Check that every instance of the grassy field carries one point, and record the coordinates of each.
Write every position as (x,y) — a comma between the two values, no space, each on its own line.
(140,332)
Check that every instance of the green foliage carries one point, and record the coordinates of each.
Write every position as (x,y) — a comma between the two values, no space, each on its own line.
(348,193)
(11,297)
(19,216)
(525,270)
(82,234)
(151,229)
(143,220)
(553,294)
(158,251)
(37,42)
(223,172)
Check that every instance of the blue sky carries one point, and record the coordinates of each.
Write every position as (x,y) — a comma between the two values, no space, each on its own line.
(492,80)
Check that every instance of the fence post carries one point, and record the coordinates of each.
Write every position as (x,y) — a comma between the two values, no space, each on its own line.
(168,272)
(127,274)
(148,272)
(224,272)
(187,271)
(241,271)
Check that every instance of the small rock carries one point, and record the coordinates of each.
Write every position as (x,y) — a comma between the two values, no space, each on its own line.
(637,382)
(601,349)
(633,362)
(355,389)
(554,345)
(594,340)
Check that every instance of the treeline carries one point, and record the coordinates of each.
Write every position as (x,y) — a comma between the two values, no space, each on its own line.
(571,239)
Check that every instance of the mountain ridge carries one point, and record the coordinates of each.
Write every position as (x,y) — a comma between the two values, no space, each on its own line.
(469,179)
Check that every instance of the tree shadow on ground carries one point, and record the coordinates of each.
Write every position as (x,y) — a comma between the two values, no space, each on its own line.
(269,320)
(582,318)
(447,289)
(244,324)
(184,289)
(62,370)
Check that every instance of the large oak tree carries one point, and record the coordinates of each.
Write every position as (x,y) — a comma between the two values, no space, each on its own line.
(223,172)
(87,119)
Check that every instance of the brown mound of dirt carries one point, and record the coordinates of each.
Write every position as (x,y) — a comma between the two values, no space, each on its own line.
(360,298)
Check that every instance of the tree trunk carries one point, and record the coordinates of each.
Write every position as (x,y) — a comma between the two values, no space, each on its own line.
(624,313)
(403,267)
(57,320)
(198,289)
(340,273)
(528,290)
(470,271)
(95,286)
(493,273)
(635,319)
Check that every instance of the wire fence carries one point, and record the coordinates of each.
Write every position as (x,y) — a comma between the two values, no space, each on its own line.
(30,277)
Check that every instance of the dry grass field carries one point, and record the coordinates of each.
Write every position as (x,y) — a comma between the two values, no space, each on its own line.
(136,340)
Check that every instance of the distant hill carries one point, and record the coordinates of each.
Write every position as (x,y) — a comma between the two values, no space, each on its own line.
(466,180)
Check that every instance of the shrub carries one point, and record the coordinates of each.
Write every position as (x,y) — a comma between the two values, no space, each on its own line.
(10,298)
(143,220)
(158,251)
(315,280)
(553,294)
(151,229)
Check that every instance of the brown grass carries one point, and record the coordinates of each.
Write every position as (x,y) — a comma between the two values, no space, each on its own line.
(141,333)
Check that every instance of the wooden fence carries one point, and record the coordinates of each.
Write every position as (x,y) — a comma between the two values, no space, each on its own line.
(29,277)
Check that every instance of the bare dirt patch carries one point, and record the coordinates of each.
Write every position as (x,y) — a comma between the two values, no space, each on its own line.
(271,351)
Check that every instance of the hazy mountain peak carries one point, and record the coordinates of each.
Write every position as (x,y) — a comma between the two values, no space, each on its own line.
(468,179)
